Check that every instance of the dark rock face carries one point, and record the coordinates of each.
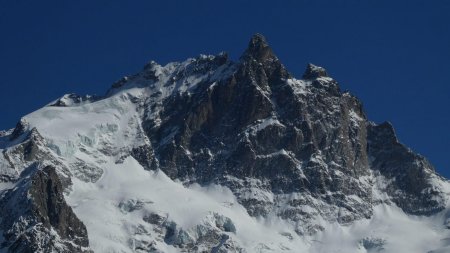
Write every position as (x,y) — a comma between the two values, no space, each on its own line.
(293,136)
(409,173)
(36,218)
(20,129)
(313,72)
(49,204)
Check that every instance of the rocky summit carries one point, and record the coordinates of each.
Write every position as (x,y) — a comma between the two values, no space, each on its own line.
(216,155)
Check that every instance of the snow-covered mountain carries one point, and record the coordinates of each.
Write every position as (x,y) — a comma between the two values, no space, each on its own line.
(211,155)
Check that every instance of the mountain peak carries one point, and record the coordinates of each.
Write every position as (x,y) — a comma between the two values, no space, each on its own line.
(258,49)
(312,72)
(246,139)
(258,39)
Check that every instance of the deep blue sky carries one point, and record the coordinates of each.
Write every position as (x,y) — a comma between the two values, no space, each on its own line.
(394,55)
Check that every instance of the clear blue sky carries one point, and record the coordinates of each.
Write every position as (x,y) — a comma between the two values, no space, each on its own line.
(394,55)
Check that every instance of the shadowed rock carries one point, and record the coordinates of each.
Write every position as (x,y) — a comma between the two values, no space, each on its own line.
(312,72)
(259,50)
(31,213)
(256,123)
(411,173)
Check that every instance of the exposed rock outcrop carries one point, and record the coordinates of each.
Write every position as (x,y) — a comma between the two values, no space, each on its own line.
(36,218)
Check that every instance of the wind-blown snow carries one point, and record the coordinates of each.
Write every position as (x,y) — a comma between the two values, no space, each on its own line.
(390,230)
(111,230)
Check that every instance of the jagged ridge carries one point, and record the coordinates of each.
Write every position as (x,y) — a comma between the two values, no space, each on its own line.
(299,150)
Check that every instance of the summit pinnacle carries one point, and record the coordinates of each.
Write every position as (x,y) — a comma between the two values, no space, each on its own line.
(258,49)
(312,72)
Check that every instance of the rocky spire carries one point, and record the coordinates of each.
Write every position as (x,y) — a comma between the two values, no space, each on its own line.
(258,49)
(21,128)
(312,72)
(259,56)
